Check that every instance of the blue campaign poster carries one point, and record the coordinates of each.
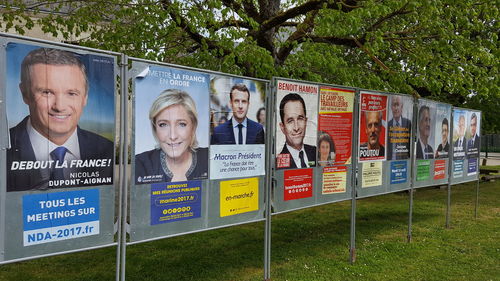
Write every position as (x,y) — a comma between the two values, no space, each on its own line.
(175,201)
(458,168)
(399,172)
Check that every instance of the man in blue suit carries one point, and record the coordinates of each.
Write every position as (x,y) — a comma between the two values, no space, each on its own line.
(48,149)
(239,129)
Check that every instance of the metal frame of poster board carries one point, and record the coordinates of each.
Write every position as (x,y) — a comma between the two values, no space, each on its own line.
(464,178)
(11,202)
(279,204)
(426,174)
(402,166)
(140,194)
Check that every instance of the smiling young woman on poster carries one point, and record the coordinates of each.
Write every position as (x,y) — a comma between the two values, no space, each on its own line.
(174,120)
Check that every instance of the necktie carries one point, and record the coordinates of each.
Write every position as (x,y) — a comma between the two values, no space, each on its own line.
(240,133)
(397,124)
(58,156)
(301,157)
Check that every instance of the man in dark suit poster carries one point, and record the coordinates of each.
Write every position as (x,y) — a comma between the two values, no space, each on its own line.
(293,125)
(399,131)
(48,148)
(444,146)
(473,142)
(424,150)
(460,145)
(239,129)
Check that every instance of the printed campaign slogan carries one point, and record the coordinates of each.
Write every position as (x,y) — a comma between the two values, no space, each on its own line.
(60,107)
(50,217)
(237,126)
(171,125)
(335,126)
(297,114)
(373,115)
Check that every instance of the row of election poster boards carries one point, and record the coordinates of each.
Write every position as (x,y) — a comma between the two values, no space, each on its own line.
(204,146)
(400,143)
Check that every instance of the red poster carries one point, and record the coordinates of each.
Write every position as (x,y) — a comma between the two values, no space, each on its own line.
(298,184)
(335,126)
(373,117)
(439,169)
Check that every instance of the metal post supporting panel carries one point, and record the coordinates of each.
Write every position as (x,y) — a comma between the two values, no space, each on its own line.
(354,181)
(476,206)
(270,122)
(412,173)
(450,167)
(122,237)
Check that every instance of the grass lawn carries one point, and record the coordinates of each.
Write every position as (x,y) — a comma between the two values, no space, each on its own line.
(312,244)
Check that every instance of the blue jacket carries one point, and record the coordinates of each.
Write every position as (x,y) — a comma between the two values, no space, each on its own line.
(224,133)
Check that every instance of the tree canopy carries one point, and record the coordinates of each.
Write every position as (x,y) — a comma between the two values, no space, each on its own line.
(445,50)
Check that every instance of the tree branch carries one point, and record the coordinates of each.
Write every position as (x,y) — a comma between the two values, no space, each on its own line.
(247,7)
(195,36)
(385,18)
(301,10)
(373,57)
(298,36)
(342,41)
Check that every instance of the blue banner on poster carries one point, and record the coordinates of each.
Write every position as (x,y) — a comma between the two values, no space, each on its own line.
(50,217)
(399,172)
(458,168)
(472,166)
(175,201)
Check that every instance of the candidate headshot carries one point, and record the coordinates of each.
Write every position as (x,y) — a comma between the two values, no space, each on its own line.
(326,150)
(460,145)
(398,146)
(55,87)
(444,146)
(373,129)
(177,157)
(424,150)
(293,125)
(239,129)
(473,142)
